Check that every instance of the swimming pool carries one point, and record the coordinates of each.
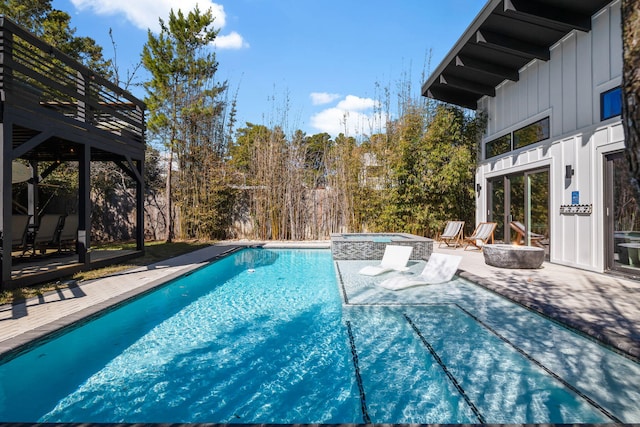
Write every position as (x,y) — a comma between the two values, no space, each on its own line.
(268,336)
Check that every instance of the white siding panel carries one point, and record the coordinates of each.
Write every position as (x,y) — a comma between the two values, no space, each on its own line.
(483,106)
(569,90)
(601,48)
(600,137)
(570,234)
(522,98)
(584,80)
(532,90)
(583,170)
(492,113)
(569,158)
(615,41)
(511,108)
(617,132)
(499,101)
(543,86)
(585,242)
(570,239)
(555,90)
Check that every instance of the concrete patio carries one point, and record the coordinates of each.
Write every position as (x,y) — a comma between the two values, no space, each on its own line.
(606,307)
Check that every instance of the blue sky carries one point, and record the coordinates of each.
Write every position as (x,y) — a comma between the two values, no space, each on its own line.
(301,64)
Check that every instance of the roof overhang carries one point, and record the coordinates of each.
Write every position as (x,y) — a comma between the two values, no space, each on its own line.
(505,36)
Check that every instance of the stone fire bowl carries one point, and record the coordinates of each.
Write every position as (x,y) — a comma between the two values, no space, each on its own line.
(512,256)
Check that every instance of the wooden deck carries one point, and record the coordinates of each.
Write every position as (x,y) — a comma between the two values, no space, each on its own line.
(55,110)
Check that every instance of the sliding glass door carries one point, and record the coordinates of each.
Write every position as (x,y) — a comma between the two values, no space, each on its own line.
(622,217)
(521,199)
(496,207)
(538,209)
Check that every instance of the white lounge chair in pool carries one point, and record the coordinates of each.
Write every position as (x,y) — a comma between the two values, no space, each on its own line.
(395,257)
(439,269)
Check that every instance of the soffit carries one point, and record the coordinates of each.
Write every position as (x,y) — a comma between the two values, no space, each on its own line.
(505,36)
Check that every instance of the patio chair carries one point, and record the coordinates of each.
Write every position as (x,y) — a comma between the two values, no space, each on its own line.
(453,234)
(483,233)
(439,269)
(520,230)
(69,231)
(395,257)
(46,232)
(19,227)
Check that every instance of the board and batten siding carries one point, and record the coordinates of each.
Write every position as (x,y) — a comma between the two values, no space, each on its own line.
(566,89)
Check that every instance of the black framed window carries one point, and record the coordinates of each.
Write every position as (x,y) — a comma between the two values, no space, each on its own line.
(530,134)
(498,146)
(611,103)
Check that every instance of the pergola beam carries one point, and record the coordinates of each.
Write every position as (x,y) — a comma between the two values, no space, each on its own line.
(31,144)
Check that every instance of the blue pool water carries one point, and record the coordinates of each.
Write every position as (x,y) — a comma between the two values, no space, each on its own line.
(262,336)
(373,237)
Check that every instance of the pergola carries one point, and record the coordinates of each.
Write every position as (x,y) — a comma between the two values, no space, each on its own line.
(505,36)
(55,110)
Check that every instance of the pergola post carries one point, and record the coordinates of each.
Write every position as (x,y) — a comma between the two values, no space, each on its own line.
(6,200)
(84,205)
(140,207)
(6,140)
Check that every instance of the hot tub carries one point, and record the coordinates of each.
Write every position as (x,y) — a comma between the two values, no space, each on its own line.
(352,246)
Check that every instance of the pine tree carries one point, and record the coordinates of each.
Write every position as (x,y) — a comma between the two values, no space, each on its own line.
(186,110)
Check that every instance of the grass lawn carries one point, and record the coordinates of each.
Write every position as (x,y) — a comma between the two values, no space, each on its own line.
(154,252)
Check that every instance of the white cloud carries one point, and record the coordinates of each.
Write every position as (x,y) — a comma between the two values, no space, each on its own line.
(144,14)
(352,102)
(232,40)
(320,98)
(352,116)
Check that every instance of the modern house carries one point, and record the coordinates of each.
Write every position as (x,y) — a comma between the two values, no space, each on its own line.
(547,75)
(54,110)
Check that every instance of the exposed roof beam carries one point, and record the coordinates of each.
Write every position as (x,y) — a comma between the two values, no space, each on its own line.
(533,11)
(467,85)
(513,46)
(461,99)
(488,67)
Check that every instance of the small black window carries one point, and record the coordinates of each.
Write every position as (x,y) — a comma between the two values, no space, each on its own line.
(611,103)
(530,134)
(498,146)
